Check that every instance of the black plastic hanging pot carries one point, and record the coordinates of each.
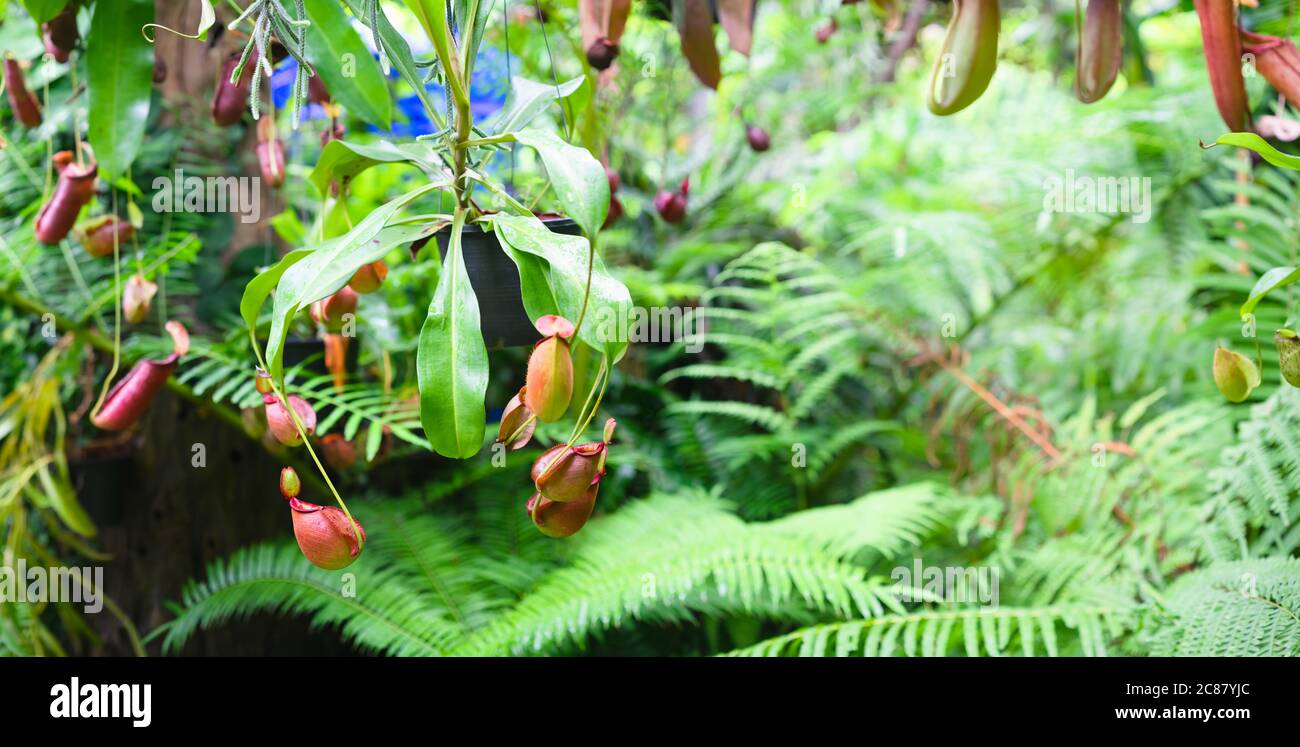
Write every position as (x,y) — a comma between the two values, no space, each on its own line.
(495,279)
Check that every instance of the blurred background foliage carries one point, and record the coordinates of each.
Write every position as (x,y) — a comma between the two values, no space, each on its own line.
(907,357)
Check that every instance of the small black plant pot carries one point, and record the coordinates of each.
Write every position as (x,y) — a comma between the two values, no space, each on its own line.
(495,279)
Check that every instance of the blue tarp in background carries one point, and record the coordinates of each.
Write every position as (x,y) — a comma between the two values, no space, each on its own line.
(488,90)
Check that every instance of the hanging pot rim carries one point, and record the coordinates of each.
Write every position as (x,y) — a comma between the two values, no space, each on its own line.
(494,276)
(551,221)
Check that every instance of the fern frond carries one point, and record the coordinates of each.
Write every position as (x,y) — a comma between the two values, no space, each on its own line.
(1255,490)
(419,588)
(974,631)
(1242,608)
(760,415)
(666,558)
(436,555)
(386,614)
(886,522)
(713,371)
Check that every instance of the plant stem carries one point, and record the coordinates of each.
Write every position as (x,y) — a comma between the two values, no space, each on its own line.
(586,292)
(545,188)
(464,129)
(117,319)
(520,429)
(582,426)
(306,442)
(482,141)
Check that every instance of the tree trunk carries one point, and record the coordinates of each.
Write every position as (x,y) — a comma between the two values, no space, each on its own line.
(164,519)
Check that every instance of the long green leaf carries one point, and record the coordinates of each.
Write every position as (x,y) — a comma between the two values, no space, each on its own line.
(578,178)
(534,283)
(119,65)
(1278,277)
(452,363)
(529,98)
(331,265)
(1251,141)
(399,54)
(342,160)
(63,499)
(344,63)
(260,287)
(432,15)
(473,14)
(332,268)
(43,10)
(609,308)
